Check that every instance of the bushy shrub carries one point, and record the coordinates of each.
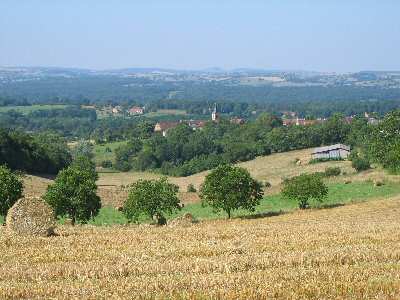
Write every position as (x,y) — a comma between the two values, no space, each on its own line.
(106,164)
(191,188)
(11,187)
(360,164)
(332,171)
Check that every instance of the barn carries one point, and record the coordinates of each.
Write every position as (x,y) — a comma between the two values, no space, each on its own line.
(333,151)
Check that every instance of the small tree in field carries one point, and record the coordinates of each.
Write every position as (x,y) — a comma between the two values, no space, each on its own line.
(152,198)
(229,188)
(305,187)
(11,188)
(73,193)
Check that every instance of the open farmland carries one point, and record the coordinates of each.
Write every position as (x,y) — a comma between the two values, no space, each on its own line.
(106,152)
(273,168)
(345,252)
(28,109)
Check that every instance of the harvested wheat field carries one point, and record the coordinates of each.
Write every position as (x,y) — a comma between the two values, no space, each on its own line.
(348,252)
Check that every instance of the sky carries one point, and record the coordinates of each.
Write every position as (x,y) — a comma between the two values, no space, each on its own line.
(313,35)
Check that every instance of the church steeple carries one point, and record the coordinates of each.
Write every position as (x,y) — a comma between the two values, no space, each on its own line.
(214,115)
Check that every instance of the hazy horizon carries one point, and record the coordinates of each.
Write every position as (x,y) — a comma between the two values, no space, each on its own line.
(330,36)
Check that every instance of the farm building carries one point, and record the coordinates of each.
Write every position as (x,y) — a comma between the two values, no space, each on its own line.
(136,111)
(334,151)
(163,127)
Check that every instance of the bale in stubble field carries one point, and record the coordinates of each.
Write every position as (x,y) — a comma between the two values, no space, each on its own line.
(183,221)
(31,216)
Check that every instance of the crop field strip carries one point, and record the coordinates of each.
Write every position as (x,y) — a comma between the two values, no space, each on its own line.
(345,252)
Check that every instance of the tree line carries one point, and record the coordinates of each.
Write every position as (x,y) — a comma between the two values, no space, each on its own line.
(184,152)
(44,153)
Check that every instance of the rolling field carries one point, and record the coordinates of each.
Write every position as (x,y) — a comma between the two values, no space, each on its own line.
(28,109)
(339,194)
(347,252)
(273,168)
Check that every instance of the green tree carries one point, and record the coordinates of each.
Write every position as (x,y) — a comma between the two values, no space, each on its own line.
(151,198)
(84,163)
(11,187)
(73,193)
(124,154)
(303,188)
(56,148)
(268,121)
(229,188)
(83,148)
(385,142)
(335,130)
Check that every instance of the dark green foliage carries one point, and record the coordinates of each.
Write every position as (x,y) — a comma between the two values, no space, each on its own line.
(303,188)
(229,188)
(69,122)
(56,151)
(84,163)
(106,164)
(191,188)
(360,163)
(83,149)
(124,154)
(335,130)
(151,198)
(385,142)
(184,152)
(332,171)
(11,187)
(73,192)
(44,153)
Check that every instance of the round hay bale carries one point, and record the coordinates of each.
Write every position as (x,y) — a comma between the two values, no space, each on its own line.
(183,221)
(31,216)
(68,222)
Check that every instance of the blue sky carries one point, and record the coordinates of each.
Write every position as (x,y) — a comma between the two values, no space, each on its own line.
(320,35)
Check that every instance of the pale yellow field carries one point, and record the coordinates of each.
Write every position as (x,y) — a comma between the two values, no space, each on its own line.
(349,252)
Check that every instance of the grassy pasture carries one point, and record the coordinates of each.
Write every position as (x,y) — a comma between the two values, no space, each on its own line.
(163,112)
(101,154)
(348,252)
(339,194)
(28,109)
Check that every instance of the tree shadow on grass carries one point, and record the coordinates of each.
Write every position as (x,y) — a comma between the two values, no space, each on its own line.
(262,215)
(45,176)
(329,206)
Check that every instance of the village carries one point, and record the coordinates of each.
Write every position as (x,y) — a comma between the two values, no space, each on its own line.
(289,118)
